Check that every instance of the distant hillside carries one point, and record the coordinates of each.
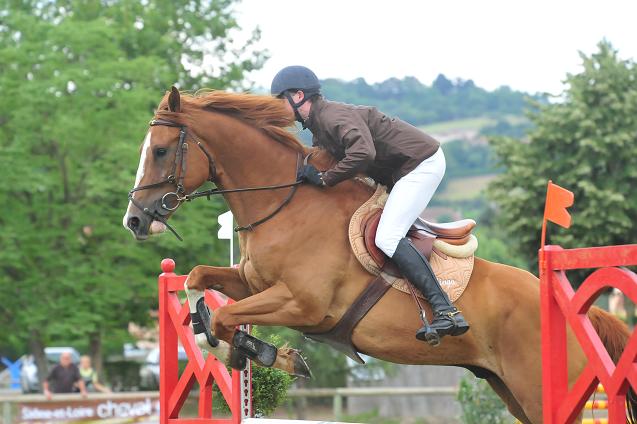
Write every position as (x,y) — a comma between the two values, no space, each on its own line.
(457,113)
(419,104)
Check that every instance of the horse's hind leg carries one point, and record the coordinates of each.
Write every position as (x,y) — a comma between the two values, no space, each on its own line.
(509,400)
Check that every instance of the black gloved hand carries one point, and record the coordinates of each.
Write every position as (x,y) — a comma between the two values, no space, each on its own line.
(311,175)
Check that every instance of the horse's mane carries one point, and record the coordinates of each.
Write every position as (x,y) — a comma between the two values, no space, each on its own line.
(265,113)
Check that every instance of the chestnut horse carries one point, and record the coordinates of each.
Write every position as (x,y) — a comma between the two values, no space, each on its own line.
(297,268)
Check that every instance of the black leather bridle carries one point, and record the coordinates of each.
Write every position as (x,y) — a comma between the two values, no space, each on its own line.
(180,194)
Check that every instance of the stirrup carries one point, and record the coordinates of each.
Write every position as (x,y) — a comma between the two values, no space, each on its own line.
(426,333)
(429,335)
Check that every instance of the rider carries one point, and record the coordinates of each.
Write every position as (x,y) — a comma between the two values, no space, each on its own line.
(409,162)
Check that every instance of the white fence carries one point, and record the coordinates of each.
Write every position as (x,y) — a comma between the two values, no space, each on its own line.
(337,394)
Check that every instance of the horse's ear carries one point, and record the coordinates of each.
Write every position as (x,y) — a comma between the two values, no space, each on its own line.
(174,100)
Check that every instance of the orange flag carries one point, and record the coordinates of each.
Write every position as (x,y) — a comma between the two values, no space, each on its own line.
(557,200)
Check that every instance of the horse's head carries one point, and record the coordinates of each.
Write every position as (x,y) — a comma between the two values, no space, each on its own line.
(171,165)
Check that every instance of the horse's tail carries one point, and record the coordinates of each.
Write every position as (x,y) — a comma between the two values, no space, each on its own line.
(614,334)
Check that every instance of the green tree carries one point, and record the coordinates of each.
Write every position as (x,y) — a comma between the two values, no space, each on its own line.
(419,104)
(586,142)
(80,80)
(466,159)
(442,84)
(480,404)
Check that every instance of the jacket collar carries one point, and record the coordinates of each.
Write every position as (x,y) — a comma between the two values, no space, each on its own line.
(317,105)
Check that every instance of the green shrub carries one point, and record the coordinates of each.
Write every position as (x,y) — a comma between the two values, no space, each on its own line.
(269,389)
(269,385)
(480,404)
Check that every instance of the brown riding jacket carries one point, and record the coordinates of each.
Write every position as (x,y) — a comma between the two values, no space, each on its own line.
(363,139)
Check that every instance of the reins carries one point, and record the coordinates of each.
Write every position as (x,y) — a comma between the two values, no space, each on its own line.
(180,194)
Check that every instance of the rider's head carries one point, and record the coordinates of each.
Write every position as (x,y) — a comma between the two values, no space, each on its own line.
(298,85)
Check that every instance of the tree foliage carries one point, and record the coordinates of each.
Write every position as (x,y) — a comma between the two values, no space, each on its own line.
(419,104)
(480,404)
(80,80)
(585,141)
(465,159)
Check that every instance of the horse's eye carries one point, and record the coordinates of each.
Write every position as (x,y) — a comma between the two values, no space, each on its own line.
(160,151)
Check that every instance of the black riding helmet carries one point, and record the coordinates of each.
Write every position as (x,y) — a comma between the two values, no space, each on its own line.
(295,78)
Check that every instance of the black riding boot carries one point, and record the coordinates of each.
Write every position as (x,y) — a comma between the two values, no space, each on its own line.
(415,267)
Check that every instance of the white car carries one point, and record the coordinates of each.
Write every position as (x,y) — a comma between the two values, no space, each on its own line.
(149,371)
(29,381)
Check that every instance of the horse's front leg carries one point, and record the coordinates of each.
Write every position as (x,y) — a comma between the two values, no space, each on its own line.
(228,281)
(225,280)
(222,279)
(275,306)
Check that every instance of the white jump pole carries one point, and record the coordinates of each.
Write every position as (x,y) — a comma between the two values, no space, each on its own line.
(273,421)
(226,232)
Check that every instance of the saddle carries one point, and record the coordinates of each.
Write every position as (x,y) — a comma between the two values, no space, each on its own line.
(422,234)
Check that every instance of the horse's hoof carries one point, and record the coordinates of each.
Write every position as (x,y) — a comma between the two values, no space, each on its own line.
(301,369)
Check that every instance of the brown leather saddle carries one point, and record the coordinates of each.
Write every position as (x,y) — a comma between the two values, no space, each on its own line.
(422,234)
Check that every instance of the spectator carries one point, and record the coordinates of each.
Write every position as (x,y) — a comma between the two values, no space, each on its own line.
(616,304)
(89,376)
(63,377)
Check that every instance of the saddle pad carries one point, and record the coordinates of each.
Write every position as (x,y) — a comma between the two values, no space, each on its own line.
(452,273)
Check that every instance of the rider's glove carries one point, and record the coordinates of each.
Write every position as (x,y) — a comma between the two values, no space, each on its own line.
(311,175)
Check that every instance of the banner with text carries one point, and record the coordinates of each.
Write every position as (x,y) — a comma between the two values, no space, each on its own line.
(87,409)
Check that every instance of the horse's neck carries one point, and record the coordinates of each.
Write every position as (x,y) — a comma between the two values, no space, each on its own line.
(245,157)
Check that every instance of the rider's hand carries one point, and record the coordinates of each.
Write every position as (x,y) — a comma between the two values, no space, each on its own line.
(311,175)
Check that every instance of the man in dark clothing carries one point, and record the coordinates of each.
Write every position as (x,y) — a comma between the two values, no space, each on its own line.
(64,377)
(409,162)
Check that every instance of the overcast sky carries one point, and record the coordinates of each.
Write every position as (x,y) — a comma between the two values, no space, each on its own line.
(527,45)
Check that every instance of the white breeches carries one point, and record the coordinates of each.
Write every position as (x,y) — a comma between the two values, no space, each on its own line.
(409,197)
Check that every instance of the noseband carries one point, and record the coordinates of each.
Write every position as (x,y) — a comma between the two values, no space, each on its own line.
(180,195)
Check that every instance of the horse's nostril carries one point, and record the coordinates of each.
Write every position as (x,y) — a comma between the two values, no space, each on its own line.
(133,223)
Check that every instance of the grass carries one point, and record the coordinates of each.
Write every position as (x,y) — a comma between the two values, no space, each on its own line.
(465,188)
(458,124)
(372,417)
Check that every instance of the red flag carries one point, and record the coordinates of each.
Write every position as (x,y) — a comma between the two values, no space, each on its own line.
(557,200)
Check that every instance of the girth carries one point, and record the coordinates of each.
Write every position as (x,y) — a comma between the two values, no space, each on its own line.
(340,337)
